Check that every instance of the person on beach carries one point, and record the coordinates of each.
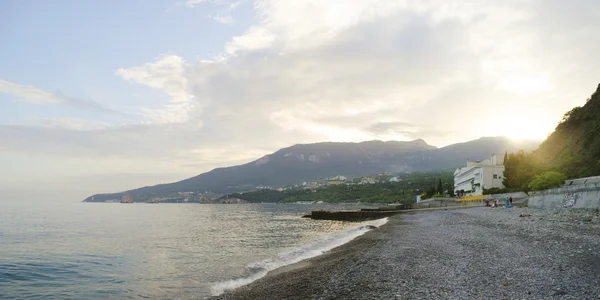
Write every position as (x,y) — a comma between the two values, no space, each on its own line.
(510,200)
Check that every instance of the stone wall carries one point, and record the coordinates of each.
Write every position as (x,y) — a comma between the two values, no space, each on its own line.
(568,196)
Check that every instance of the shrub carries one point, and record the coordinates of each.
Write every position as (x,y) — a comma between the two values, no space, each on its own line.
(494,191)
(547,180)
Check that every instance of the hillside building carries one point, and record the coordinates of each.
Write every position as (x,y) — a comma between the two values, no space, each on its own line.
(479,175)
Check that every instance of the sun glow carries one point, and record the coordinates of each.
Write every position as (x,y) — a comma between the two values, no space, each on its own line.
(525,84)
(520,127)
(526,131)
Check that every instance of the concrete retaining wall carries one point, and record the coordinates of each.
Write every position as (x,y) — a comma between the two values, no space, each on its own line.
(438,199)
(515,196)
(568,196)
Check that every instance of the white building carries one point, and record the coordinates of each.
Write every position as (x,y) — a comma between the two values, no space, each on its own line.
(480,175)
(395,179)
(367,180)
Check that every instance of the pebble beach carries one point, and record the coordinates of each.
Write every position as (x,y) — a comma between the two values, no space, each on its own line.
(476,253)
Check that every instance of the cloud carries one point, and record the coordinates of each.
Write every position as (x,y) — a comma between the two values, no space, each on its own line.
(310,64)
(224,11)
(226,19)
(316,70)
(30,94)
(409,130)
(382,67)
(389,127)
(230,3)
(177,143)
(73,123)
(167,74)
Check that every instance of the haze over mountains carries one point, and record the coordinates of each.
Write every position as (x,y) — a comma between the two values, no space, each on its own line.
(307,162)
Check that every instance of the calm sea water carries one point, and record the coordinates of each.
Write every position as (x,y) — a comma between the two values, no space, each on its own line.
(153,251)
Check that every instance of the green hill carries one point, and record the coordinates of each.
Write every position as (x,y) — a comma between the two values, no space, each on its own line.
(573,149)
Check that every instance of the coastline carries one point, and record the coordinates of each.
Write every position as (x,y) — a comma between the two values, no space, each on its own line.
(298,279)
(300,256)
(470,253)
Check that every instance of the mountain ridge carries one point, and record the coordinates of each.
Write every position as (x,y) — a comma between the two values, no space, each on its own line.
(308,162)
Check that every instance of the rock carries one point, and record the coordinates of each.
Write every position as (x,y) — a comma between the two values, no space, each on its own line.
(560,293)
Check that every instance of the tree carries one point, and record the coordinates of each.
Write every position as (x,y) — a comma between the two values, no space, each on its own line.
(430,192)
(519,169)
(440,188)
(547,180)
(507,163)
(451,190)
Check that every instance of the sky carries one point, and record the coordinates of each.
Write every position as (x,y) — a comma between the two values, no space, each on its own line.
(104,96)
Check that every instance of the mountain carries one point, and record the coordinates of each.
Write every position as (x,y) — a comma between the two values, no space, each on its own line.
(308,162)
(574,147)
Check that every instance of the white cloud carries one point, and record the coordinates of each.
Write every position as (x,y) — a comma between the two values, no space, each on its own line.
(73,123)
(308,60)
(168,75)
(192,3)
(232,4)
(315,70)
(30,94)
(309,64)
(226,19)
(224,11)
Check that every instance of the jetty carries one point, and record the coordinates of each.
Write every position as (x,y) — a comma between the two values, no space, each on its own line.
(349,215)
(366,214)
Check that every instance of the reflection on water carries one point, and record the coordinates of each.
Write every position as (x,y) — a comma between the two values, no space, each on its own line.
(92,251)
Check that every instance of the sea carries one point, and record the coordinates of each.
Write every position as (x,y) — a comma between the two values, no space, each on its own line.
(67,250)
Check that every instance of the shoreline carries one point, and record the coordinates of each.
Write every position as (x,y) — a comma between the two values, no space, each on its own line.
(307,269)
(310,251)
(467,253)
(307,263)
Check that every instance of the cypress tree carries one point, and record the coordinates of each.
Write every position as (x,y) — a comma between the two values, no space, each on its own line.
(505,163)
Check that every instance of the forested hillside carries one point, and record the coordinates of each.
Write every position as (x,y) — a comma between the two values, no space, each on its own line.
(572,150)
(403,190)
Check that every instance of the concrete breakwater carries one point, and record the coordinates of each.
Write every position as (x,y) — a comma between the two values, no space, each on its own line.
(578,193)
(365,215)
(350,215)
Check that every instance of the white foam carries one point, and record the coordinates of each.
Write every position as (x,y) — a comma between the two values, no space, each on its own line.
(294,255)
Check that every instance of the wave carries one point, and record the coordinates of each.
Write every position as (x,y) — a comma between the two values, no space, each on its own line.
(297,254)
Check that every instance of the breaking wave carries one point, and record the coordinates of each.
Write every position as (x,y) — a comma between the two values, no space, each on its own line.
(296,254)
